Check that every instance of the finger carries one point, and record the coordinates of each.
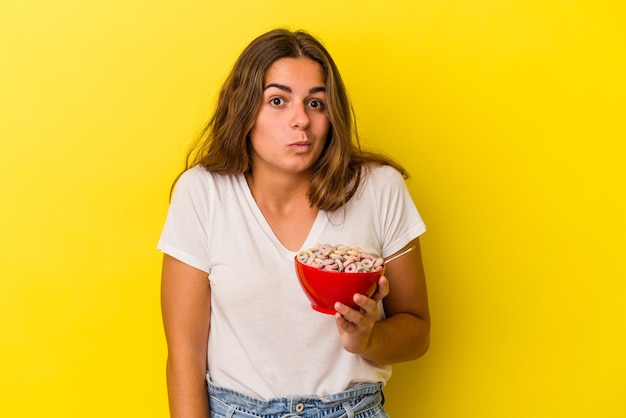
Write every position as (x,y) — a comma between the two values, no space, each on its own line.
(368,305)
(341,322)
(382,290)
(348,314)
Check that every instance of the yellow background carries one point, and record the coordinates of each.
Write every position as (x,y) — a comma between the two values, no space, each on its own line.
(509,115)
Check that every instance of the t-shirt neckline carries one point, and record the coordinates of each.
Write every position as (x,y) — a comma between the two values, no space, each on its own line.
(312,236)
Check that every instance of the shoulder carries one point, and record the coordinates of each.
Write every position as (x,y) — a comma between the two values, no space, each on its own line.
(200,177)
(199,184)
(383,176)
(194,174)
(380,182)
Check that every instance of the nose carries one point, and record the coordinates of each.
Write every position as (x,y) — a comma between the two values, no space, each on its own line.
(300,118)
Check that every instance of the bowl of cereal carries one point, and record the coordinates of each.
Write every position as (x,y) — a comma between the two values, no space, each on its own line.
(330,274)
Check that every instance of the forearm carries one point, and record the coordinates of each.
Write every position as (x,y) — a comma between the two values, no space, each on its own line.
(401,337)
(186,387)
(186,307)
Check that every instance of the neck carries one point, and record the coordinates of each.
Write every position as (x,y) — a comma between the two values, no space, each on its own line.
(279,193)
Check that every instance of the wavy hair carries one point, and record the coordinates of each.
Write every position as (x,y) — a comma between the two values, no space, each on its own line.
(223,145)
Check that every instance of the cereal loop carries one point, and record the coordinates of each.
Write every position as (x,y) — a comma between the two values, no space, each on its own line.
(340,258)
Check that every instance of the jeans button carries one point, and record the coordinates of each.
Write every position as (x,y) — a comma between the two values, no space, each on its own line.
(299,407)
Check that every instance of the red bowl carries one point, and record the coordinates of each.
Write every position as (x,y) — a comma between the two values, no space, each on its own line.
(324,287)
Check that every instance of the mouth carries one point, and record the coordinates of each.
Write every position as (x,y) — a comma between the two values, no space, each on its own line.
(300,146)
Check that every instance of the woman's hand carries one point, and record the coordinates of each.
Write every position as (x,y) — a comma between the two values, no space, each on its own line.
(355,326)
(404,333)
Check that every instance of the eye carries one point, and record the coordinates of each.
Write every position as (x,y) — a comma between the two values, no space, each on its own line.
(277,101)
(316,104)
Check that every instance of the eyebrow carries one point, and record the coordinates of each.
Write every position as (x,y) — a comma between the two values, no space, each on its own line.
(288,89)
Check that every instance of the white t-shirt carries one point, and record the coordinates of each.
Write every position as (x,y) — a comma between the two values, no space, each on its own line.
(265,339)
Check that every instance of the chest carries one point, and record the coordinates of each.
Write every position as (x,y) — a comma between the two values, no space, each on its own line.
(291,228)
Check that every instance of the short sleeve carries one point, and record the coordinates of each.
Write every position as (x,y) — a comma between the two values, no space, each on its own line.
(184,235)
(400,221)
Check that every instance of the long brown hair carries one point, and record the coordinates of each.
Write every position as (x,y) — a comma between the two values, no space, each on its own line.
(223,146)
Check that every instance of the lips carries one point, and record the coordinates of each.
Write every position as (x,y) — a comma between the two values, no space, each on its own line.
(300,146)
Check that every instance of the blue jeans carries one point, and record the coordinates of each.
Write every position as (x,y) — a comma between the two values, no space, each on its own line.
(362,401)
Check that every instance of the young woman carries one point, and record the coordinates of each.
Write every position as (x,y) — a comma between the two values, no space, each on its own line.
(278,169)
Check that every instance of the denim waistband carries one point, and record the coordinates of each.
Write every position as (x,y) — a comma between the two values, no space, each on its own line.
(362,400)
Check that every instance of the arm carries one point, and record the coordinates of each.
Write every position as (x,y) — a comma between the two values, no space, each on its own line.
(405,332)
(186,308)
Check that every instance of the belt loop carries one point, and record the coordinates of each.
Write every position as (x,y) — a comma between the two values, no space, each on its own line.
(348,408)
(231,411)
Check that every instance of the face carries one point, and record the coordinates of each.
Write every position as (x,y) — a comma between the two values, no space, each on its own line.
(292,125)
